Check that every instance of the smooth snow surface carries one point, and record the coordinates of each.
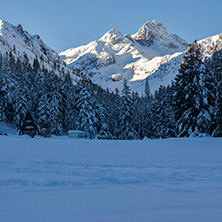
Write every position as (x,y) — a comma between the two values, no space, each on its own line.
(66,180)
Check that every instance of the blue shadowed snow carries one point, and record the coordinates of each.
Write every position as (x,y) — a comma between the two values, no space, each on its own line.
(61,179)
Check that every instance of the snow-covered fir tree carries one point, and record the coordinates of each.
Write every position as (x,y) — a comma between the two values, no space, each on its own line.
(105,111)
(87,120)
(101,115)
(136,104)
(43,112)
(126,115)
(216,70)
(218,113)
(115,123)
(56,106)
(192,98)
(146,115)
(7,95)
(207,100)
(21,107)
(70,104)
(163,114)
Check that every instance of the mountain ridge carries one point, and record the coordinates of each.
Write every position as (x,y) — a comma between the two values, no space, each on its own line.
(18,42)
(112,58)
(115,57)
(152,53)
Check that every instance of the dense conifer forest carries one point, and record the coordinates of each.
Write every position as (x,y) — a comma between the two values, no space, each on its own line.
(190,106)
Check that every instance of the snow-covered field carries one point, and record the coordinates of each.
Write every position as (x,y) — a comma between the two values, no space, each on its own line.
(66,180)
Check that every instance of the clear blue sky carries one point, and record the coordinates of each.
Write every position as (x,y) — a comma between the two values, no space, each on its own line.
(69,23)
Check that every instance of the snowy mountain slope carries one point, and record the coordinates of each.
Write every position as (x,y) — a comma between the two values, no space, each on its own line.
(152,52)
(208,43)
(19,42)
(115,57)
(167,71)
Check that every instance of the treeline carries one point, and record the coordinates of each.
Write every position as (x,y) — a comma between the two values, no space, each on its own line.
(191,106)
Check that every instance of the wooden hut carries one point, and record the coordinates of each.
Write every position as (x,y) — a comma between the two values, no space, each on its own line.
(28,126)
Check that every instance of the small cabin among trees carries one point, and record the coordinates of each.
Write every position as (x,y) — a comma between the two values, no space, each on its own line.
(28,126)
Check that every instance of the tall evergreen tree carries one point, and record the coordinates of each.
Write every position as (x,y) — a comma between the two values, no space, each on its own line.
(21,107)
(218,113)
(70,108)
(192,98)
(216,70)
(126,115)
(163,114)
(87,120)
(55,104)
(101,115)
(146,115)
(115,117)
(43,113)
(7,95)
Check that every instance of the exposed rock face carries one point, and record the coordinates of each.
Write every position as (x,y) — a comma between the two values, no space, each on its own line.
(117,77)
(152,32)
(20,29)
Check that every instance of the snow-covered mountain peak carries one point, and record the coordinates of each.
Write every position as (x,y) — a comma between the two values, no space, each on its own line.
(152,29)
(15,37)
(155,32)
(113,36)
(151,32)
(6,29)
(18,42)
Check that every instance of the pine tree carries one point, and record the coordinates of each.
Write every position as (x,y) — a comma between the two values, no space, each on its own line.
(43,113)
(207,100)
(116,114)
(147,89)
(70,105)
(101,115)
(216,70)
(104,107)
(7,95)
(163,114)
(126,115)
(136,112)
(21,107)
(192,95)
(55,104)
(86,120)
(146,114)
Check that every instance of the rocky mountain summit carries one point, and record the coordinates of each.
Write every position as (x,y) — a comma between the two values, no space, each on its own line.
(152,32)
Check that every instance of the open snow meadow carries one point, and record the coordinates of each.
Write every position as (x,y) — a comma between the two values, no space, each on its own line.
(64,180)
